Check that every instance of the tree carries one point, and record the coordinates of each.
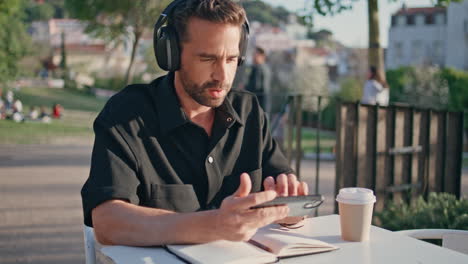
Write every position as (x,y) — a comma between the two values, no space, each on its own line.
(331,7)
(38,11)
(117,21)
(262,12)
(15,43)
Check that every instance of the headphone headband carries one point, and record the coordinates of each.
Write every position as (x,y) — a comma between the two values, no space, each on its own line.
(165,14)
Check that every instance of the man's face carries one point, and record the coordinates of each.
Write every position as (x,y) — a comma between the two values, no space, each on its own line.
(209,61)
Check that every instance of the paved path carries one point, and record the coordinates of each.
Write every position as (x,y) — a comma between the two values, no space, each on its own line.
(40,208)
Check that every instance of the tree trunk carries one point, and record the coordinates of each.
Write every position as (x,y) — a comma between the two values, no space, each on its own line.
(129,75)
(376,58)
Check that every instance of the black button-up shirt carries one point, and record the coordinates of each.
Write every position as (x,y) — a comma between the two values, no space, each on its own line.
(149,153)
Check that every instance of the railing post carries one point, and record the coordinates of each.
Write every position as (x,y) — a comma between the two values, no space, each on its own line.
(290,129)
(298,134)
(317,152)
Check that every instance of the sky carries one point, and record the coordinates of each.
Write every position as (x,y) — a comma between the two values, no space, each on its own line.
(351,27)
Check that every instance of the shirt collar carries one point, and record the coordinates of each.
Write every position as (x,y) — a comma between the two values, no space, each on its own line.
(170,112)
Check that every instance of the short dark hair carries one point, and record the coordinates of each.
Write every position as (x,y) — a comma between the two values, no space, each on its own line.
(260,50)
(217,11)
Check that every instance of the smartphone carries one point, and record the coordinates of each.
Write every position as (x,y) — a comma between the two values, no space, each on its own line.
(298,205)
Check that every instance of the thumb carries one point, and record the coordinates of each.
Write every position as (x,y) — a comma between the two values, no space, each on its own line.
(245,186)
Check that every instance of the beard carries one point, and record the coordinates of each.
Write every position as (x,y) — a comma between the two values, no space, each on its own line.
(200,93)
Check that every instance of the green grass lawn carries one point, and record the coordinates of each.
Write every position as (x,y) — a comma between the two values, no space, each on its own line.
(69,99)
(41,133)
(309,140)
(75,126)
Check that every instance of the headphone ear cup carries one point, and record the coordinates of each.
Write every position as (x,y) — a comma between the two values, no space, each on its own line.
(166,49)
(243,45)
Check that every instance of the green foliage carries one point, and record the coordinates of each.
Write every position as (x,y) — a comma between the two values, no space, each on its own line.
(329,114)
(397,80)
(403,79)
(38,11)
(441,210)
(116,83)
(458,88)
(420,86)
(351,90)
(332,7)
(15,43)
(262,12)
(111,20)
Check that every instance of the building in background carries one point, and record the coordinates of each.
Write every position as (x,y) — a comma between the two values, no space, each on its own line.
(86,54)
(457,36)
(429,36)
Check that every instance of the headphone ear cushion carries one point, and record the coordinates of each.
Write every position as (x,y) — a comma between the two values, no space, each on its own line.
(166,49)
(243,45)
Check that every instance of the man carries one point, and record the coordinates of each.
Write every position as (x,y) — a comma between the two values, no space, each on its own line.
(260,79)
(183,159)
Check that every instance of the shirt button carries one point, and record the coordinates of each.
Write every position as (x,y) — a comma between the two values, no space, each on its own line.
(229,119)
(210,159)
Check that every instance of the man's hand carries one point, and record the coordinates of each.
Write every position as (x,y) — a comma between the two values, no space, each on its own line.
(236,221)
(286,185)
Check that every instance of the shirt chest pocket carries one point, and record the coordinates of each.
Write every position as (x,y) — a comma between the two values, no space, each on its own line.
(174,197)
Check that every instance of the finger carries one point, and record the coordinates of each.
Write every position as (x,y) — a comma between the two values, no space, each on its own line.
(244,187)
(263,216)
(282,185)
(269,184)
(253,199)
(293,185)
(303,188)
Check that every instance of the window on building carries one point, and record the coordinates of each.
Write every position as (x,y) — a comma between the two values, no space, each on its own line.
(416,50)
(398,50)
(440,19)
(420,19)
(436,51)
(394,21)
(410,20)
(429,19)
(401,20)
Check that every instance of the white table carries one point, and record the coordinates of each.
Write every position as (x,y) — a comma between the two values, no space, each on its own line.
(384,247)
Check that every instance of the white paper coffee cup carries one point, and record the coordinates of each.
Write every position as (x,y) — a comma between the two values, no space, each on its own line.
(355,208)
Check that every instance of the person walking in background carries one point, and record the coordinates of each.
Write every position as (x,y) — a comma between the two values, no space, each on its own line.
(260,79)
(376,89)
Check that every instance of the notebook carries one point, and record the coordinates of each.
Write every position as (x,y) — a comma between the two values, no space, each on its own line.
(266,246)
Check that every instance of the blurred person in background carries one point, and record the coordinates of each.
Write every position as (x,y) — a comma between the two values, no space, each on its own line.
(376,89)
(33,113)
(57,111)
(259,81)
(9,100)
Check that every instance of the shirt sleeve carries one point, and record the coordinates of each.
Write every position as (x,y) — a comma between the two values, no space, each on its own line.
(113,173)
(274,162)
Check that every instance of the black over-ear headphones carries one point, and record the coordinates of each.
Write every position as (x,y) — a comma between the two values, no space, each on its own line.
(166,41)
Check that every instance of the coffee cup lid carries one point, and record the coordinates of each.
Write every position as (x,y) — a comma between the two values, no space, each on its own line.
(355,195)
